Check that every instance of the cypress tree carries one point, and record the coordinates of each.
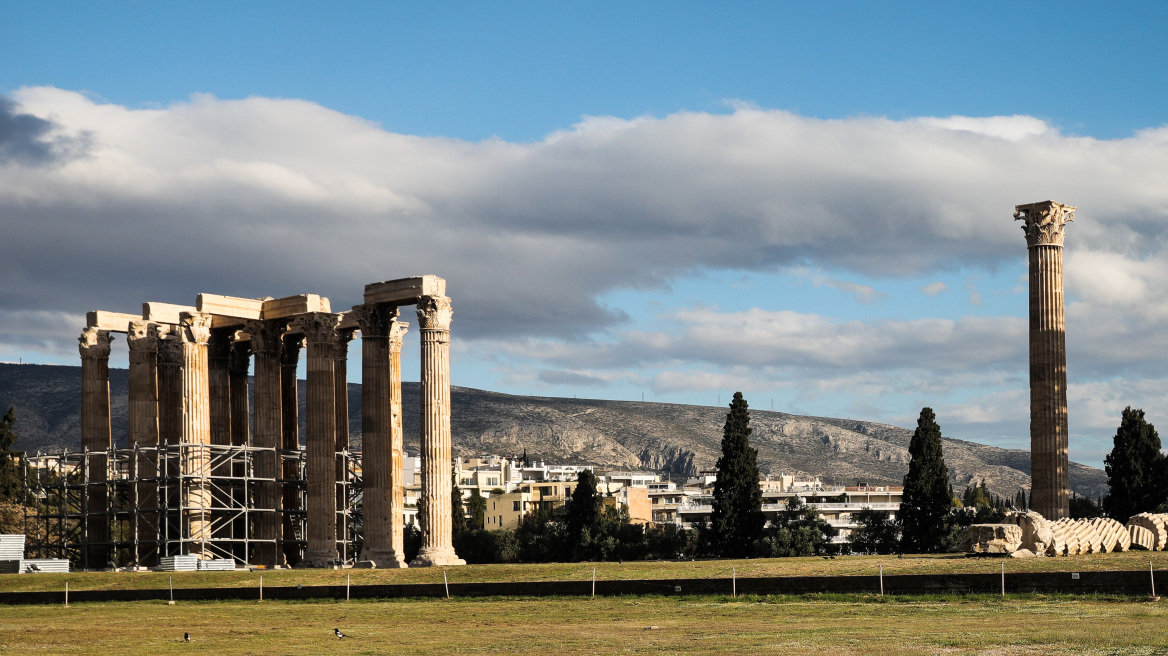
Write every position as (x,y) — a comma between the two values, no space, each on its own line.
(1135,468)
(11,483)
(477,507)
(926,503)
(457,510)
(584,509)
(737,520)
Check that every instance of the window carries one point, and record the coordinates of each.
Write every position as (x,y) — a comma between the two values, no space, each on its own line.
(515,505)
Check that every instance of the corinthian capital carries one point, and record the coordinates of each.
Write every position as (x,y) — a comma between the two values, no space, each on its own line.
(397,333)
(142,338)
(375,320)
(94,344)
(266,336)
(1045,222)
(320,327)
(196,327)
(434,313)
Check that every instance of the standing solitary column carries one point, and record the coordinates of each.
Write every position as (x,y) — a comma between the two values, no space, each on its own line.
(320,331)
(195,332)
(142,340)
(94,346)
(266,340)
(1045,224)
(381,517)
(434,314)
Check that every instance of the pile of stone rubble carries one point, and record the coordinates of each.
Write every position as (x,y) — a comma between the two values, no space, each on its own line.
(1025,534)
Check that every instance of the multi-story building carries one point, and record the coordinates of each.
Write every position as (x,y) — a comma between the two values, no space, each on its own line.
(837,504)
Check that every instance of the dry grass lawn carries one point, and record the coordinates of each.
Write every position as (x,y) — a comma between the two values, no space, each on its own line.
(842,566)
(823,626)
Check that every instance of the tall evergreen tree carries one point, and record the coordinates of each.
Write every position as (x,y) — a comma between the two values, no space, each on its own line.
(737,520)
(584,508)
(457,510)
(11,483)
(926,502)
(1135,468)
(476,506)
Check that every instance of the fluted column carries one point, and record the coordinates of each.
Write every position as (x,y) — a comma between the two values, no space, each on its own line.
(170,381)
(238,365)
(142,340)
(341,383)
(320,331)
(1045,225)
(94,346)
(219,385)
(266,340)
(290,524)
(434,315)
(239,362)
(195,332)
(381,458)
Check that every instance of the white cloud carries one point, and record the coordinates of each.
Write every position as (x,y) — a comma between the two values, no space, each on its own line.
(262,197)
(934,288)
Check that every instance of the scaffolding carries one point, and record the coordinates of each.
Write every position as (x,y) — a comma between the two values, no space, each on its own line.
(128,508)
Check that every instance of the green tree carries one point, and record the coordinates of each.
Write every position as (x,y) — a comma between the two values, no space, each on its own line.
(584,511)
(1135,468)
(457,510)
(476,506)
(797,531)
(736,520)
(877,532)
(11,482)
(926,501)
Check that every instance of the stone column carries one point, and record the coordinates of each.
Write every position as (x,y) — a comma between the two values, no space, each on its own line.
(219,385)
(341,383)
(170,362)
(320,331)
(142,340)
(290,523)
(266,340)
(434,314)
(1045,225)
(195,332)
(94,346)
(381,458)
(238,365)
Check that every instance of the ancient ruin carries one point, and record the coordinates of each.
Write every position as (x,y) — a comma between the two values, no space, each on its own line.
(1028,534)
(1045,225)
(197,480)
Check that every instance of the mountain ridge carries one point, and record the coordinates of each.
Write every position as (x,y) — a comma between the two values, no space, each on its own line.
(674,438)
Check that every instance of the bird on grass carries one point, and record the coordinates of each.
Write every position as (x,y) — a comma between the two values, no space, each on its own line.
(186,637)
(339,635)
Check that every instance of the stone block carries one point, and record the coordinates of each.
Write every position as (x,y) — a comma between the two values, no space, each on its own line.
(114,322)
(994,538)
(230,310)
(165,312)
(281,308)
(404,291)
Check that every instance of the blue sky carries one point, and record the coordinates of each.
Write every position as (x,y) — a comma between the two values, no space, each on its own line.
(807,202)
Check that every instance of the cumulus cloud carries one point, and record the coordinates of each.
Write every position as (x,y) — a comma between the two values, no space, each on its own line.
(31,140)
(261,196)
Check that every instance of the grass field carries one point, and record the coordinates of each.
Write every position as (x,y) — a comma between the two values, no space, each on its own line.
(851,624)
(843,566)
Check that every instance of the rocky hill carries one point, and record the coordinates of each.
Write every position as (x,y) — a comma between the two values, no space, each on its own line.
(677,439)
